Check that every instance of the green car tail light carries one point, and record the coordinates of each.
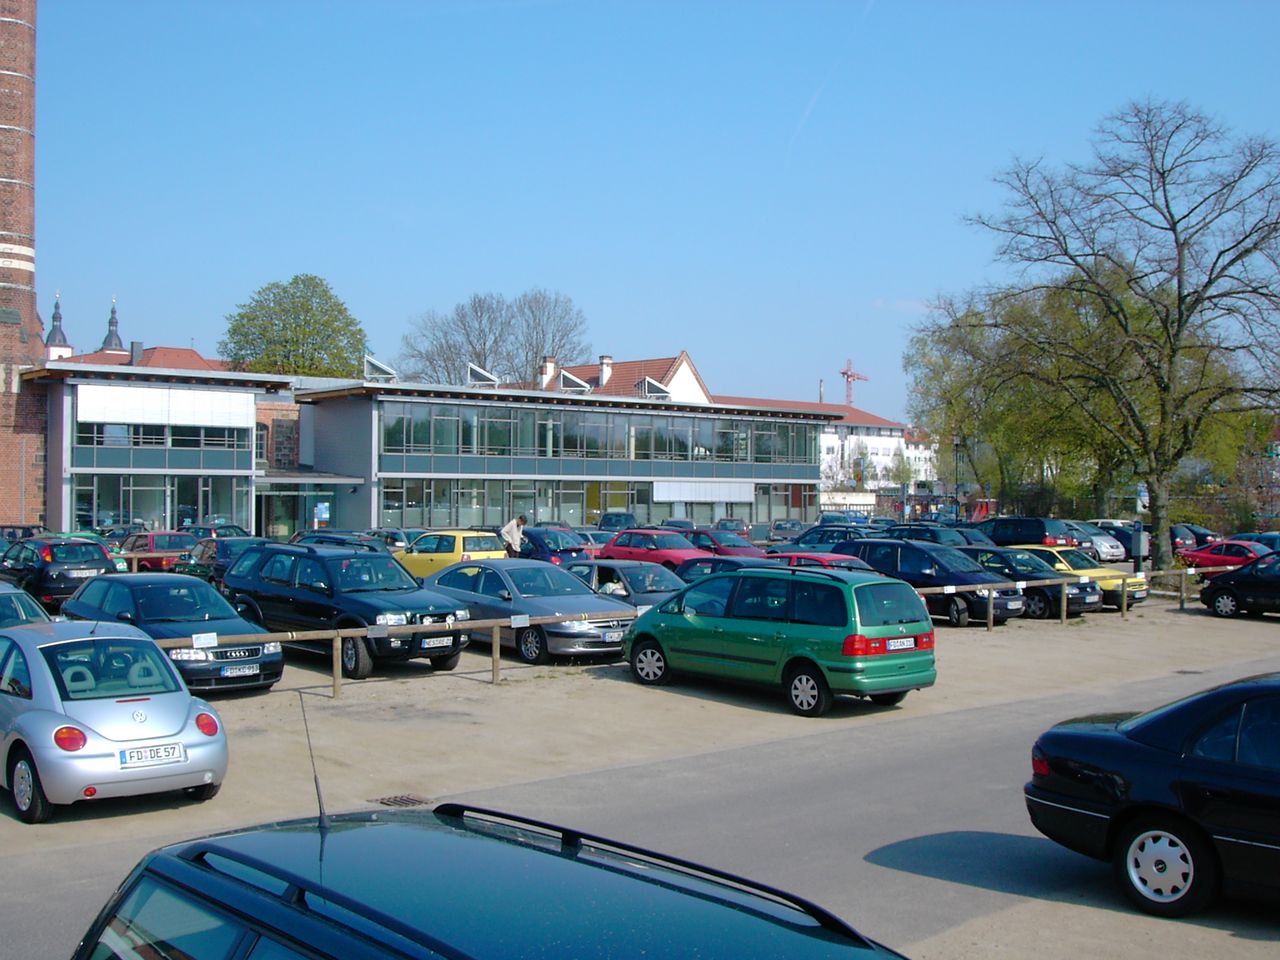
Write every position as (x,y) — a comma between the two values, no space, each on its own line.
(857,645)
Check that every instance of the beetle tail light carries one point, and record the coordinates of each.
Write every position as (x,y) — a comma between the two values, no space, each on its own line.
(207,724)
(70,739)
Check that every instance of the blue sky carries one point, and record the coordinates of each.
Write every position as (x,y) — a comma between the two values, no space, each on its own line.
(773,187)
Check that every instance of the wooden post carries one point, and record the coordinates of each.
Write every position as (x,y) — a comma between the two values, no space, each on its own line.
(1062,604)
(337,664)
(497,650)
(1182,589)
(991,609)
(1124,598)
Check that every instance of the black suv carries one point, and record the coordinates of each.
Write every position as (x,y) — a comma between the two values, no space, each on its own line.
(924,564)
(295,587)
(369,885)
(1025,531)
(52,568)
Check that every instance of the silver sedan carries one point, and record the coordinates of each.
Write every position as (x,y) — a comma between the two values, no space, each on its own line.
(500,589)
(91,710)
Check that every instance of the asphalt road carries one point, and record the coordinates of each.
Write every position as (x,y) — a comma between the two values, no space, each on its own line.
(910,830)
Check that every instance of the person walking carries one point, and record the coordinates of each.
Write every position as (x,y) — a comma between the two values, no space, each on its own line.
(513,534)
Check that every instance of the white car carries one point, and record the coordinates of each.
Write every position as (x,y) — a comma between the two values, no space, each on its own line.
(1107,547)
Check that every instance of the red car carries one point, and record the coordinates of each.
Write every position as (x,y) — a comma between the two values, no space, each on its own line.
(837,560)
(1225,553)
(656,546)
(723,543)
(172,543)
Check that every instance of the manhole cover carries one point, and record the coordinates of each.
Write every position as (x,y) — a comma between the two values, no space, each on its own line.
(403,800)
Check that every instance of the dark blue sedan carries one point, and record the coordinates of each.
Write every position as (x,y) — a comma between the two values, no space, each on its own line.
(171,605)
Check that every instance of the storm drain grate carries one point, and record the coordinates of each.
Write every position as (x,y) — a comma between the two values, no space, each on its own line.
(403,800)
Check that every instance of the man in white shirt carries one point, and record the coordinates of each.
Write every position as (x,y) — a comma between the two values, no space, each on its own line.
(512,535)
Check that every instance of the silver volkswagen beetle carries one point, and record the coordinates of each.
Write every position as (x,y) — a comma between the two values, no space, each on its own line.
(91,710)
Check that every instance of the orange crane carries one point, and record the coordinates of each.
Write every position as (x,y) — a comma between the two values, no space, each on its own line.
(850,375)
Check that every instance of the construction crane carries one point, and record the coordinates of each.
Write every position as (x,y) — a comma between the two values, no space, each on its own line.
(850,375)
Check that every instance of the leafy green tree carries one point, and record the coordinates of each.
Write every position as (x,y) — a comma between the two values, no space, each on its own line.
(299,327)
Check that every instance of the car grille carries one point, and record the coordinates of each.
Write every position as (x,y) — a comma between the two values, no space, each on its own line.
(236,653)
(428,617)
(1009,592)
(607,624)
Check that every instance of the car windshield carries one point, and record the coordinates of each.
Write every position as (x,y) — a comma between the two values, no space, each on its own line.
(560,539)
(545,580)
(1091,529)
(482,543)
(730,540)
(173,541)
(83,552)
(955,561)
(236,547)
(369,572)
(20,608)
(888,603)
(1025,562)
(232,530)
(1077,560)
(181,601)
(672,541)
(101,668)
(657,580)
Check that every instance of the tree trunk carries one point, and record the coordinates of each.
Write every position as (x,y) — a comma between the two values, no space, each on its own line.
(1161,549)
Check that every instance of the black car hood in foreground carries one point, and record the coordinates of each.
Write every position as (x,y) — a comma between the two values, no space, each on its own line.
(452,877)
(169,629)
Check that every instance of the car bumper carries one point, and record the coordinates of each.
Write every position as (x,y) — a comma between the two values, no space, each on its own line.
(1004,607)
(595,642)
(224,675)
(65,776)
(416,645)
(1112,597)
(865,677)
(1065,821)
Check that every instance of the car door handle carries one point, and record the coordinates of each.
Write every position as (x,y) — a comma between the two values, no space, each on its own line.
(717,629)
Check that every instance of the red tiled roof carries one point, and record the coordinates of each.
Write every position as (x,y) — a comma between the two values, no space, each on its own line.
(850,415)
(167,358)
(624,376)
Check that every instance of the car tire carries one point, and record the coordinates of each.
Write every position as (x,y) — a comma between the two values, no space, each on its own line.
(206,791)
(958,612)
(807,690)
(888,699)
(531,645)
(28,794)
(356,662)
(1223,603)
(1038,604)
(649,664)
(1165,867)
(445,663)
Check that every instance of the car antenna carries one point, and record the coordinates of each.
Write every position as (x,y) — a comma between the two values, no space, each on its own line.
(323,821)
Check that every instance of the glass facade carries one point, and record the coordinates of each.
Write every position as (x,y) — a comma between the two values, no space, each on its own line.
(162,502)
(494,429)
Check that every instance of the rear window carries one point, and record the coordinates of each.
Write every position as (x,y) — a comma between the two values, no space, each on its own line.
(77,553)
(887,604)
(479,544)
(557,540)
(108,667)
(173,541)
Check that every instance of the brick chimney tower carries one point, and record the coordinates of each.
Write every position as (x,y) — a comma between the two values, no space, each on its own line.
(22,415)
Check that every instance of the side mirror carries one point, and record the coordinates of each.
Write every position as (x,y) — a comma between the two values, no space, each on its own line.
(504,595)
(422,581)
(930,571)
(125,616)
(651,546)
(321,588)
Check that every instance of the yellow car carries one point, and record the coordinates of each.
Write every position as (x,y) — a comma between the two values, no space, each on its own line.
(436,549)
(1109,579)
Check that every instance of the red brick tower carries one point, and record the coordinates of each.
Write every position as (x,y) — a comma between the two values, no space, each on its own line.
(22,414)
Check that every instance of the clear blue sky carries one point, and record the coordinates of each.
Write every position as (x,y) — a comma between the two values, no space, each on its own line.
(773,187)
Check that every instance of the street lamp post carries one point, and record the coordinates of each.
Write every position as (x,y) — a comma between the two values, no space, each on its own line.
(955,449)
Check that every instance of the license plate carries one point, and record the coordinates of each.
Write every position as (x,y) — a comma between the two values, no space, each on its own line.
(1138,594)
(431,643)
(1015,605)
(78,574)
(901,643)
(152,756)
(241,669)
(613,636)
(1092,598)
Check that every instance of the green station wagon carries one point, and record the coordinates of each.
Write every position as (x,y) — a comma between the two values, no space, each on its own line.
(814,632)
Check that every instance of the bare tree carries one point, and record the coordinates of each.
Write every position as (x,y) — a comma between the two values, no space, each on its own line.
(506,338)
(1154,272)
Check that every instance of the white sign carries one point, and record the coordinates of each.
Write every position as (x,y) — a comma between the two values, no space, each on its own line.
(519,620)
(202,640)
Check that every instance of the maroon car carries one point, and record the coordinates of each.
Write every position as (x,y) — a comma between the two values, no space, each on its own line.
(171,543)
(724,543)
(656,546)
